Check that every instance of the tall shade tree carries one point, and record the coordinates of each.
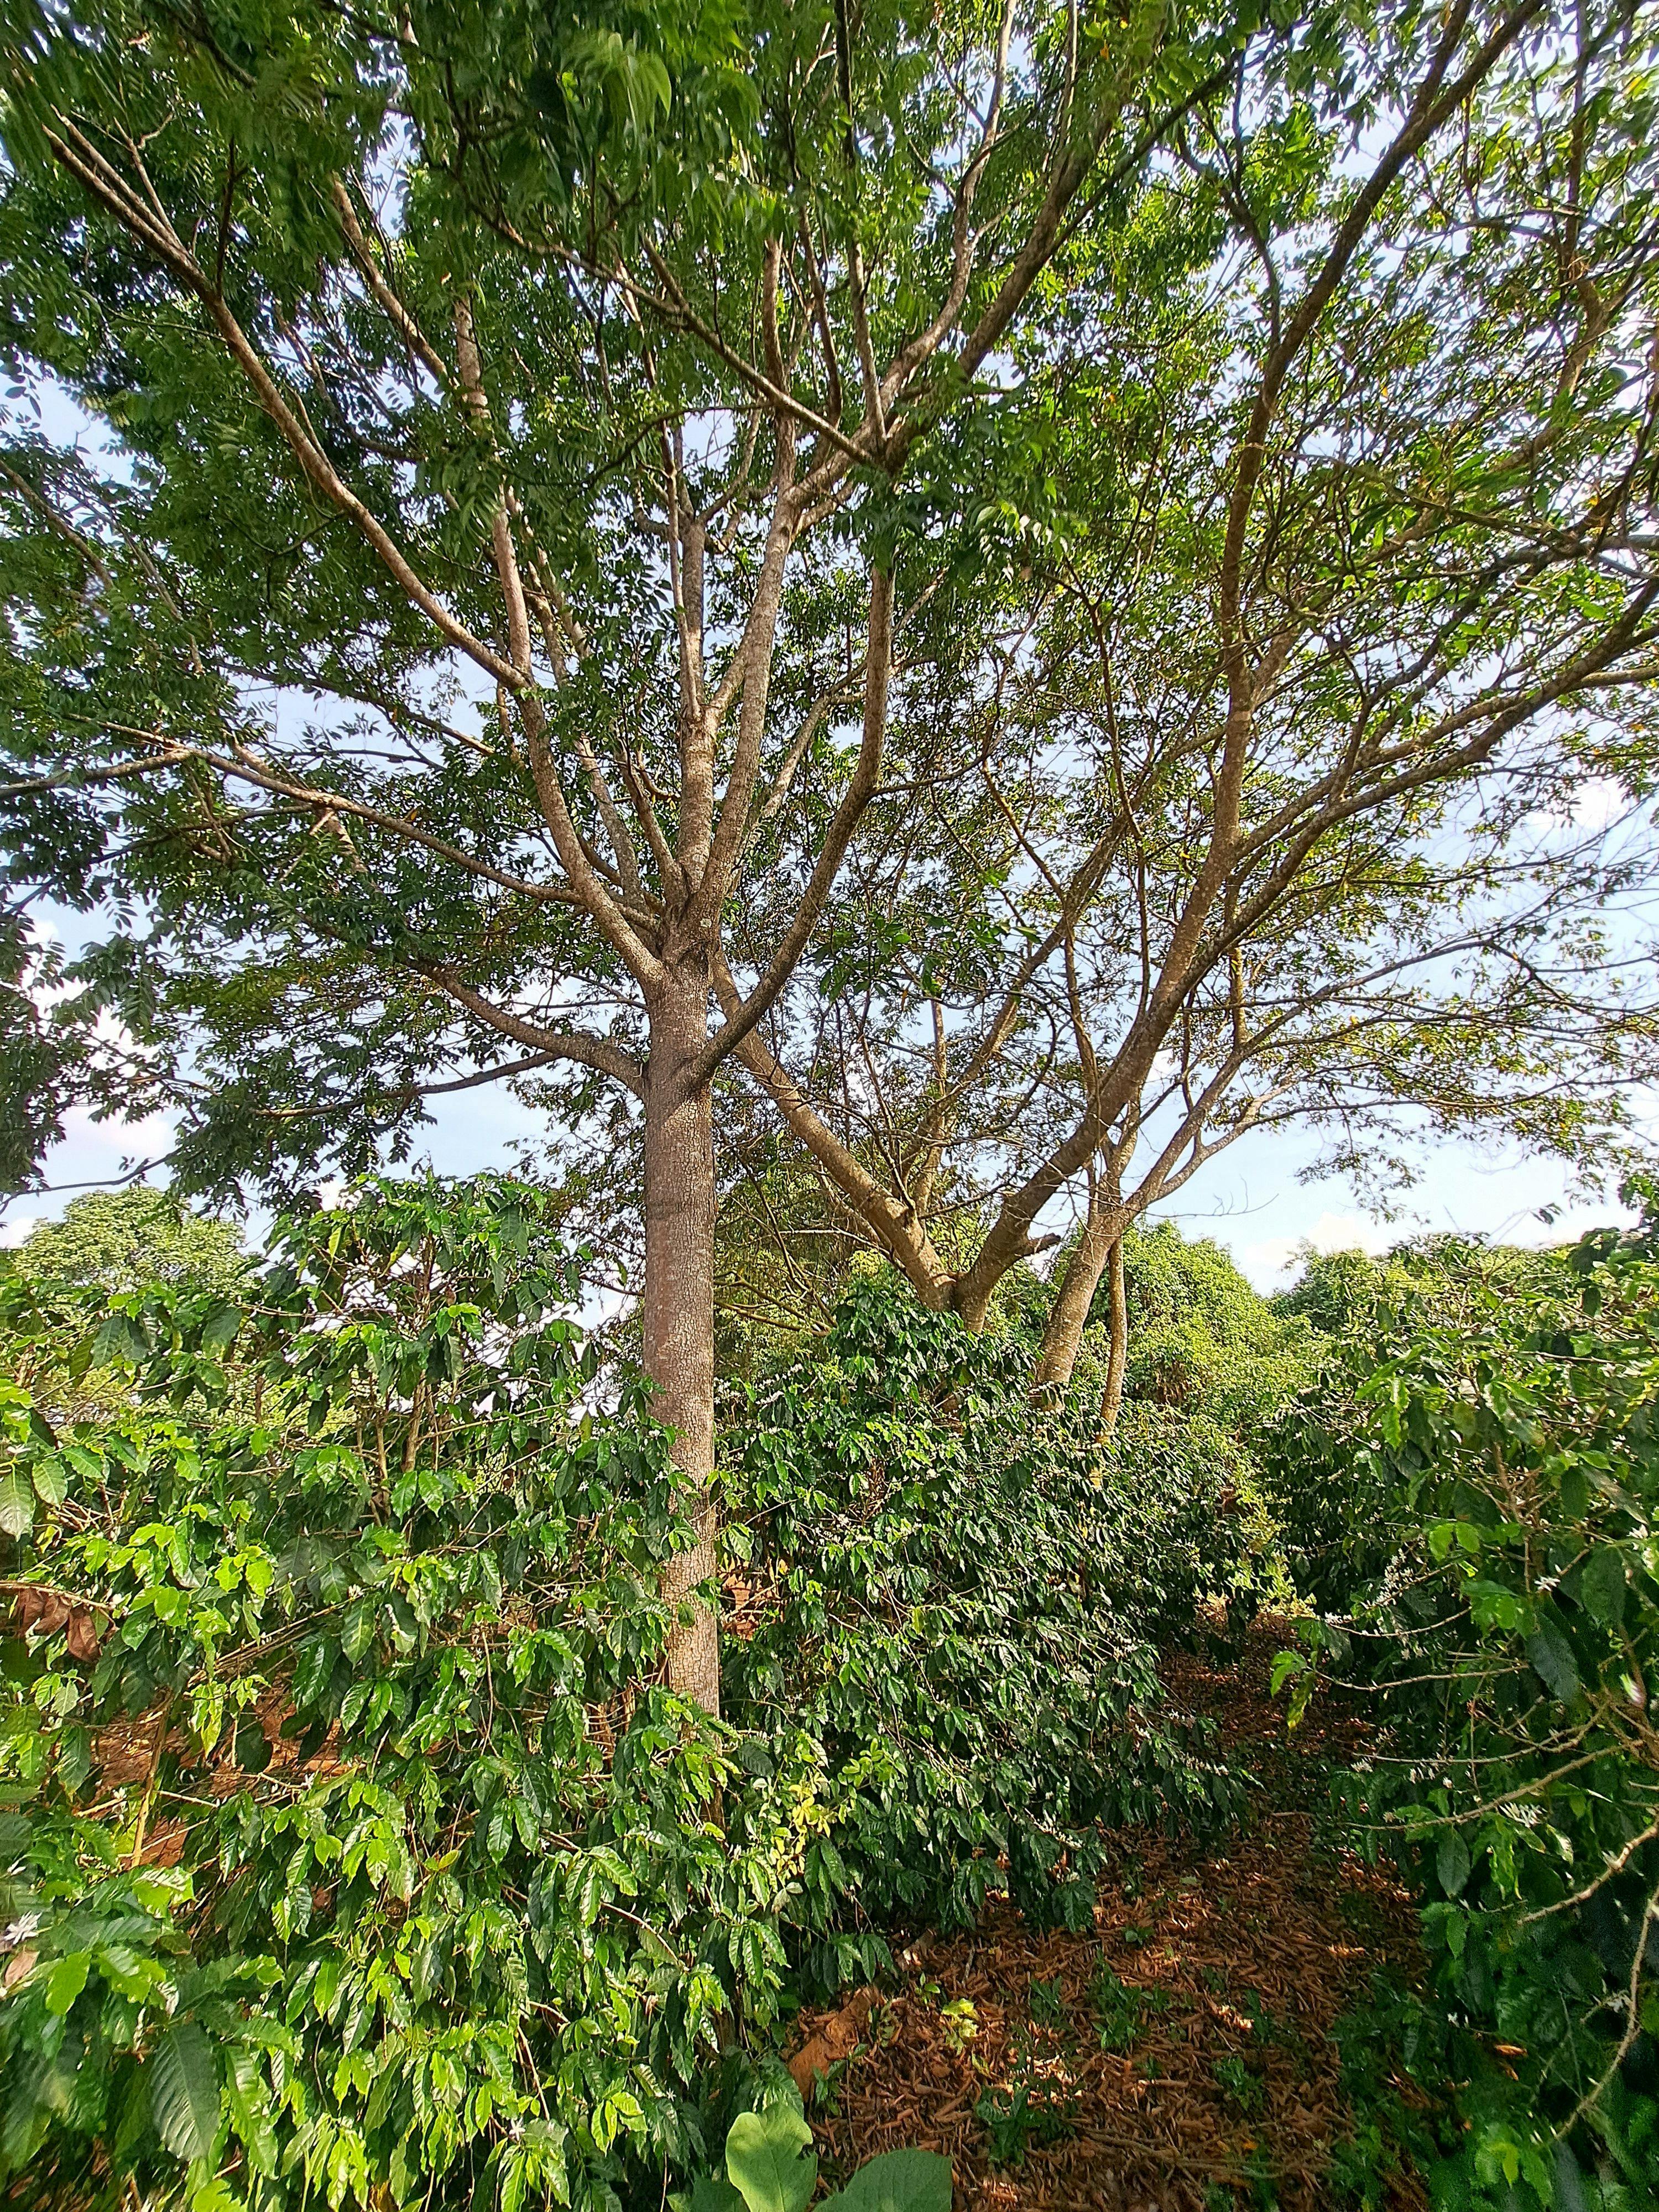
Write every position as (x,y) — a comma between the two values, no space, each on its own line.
(524,433)
(1258,789)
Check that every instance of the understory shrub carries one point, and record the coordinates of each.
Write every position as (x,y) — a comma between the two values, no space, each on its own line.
(352,1846)
(353,1849)
(960,1598)
(1470,1491)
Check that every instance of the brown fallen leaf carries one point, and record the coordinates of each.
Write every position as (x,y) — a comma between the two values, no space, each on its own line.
(42,1612)
(82,1638)
(21,1961)
(832,2039)
(813,2060)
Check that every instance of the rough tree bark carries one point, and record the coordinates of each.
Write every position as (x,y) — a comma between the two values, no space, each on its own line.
(677,1302)
(1103,1234)
(1118,1357)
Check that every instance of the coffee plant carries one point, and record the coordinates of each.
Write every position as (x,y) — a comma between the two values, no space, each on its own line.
(1479,1472)
(960,1599)
(354,1848)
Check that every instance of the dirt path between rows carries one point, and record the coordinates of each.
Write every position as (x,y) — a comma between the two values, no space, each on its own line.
(1174,2058)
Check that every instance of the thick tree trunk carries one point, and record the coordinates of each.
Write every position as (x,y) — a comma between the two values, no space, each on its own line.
(1117,1358)
(1103,1234)
(678,1307)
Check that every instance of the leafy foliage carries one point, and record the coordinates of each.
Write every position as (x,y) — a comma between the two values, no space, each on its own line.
(1481,1473)
(961,1601)
(128,1239)
(771,2167)
(353,1841)
(364,1855)
(1201,1339)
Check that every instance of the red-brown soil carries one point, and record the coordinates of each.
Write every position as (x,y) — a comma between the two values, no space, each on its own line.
(1174,2056)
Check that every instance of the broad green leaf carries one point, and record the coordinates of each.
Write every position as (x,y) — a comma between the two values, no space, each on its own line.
(311,1671)
(768,2160)
(357,1628)
(1452,1863)
(1603,1585)
(252,1751)
(710,2193)
(74,1756)
(67,1979)
(897,2181)
(1552,1661)
(16,1506)
(248,2097)
(220,1327)
(50,1480)
(120,1338)
(184,2091)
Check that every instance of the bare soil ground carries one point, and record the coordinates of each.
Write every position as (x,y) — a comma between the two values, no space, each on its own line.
(1174,2057)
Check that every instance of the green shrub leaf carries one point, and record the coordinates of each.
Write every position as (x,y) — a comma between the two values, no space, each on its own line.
(66,1980)
(1602,1584)
(1552,1661)
(1452,1863)
(184,2091)
(765,2162)
(897,2181)
(710,2192)
(16,1506)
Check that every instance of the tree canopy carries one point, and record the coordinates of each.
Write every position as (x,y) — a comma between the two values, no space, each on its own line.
(1300,769)
(1115,540)
(128,1238)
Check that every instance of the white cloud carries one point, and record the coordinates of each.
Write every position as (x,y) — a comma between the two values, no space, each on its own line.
(116,1140)
(1267,1263)
(16,1228)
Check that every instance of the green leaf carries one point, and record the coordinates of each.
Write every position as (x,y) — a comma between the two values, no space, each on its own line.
(897,2181)
(248,2098)
(1575,1492)
(710,2193)
(184,2091)
(764,2163)
(50,1482)
(1603,1585)
(74,1757)
(357,1628)
(120,1337)
(220,1327)
(66,1980)
(1452,1863)
(252,1751)
(1552,1661)
(16,1506)
(311,1671)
